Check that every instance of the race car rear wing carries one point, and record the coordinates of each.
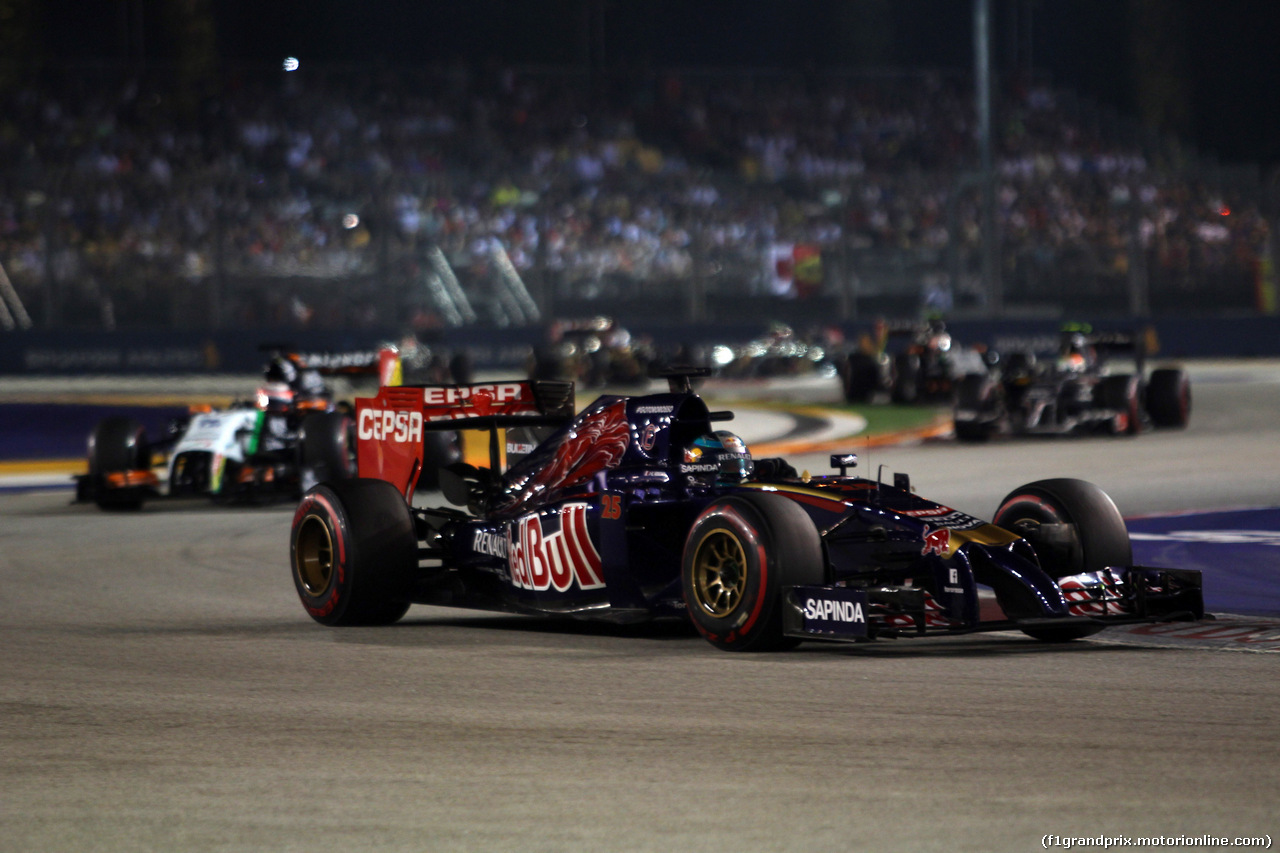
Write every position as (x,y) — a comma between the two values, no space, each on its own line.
(390,425)
(384,362)
(1141,343)
(1110,344)
(1116,341)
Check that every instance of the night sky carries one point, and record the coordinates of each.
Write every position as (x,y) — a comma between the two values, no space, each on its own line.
(1223,56)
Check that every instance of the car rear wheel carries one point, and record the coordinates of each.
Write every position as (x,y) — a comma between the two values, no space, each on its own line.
(861,375)
(976,393)
(906,379)
(117,444)
(440,449)
(353,551)
(1169,398)
(1075,527)
(740,556)
(326,449)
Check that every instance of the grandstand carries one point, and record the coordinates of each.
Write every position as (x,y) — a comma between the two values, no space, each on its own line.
(322,200)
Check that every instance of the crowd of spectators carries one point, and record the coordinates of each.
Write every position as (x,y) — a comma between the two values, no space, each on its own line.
(115,191)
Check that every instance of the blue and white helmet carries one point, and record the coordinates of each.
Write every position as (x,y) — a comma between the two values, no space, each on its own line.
(720,457)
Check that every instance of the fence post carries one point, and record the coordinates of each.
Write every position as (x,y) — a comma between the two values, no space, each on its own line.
(982,80)
(1139,281)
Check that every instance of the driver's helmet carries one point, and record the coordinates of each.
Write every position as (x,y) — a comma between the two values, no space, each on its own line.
(1072,363)
(280,370)
(934,337)
(720,457)
(1073,355)
(275,397)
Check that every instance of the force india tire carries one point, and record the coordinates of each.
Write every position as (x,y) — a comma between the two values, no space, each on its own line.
(1101,538)
(1169,398)
(353,552)
(117,444)
(326,449)
(741,554)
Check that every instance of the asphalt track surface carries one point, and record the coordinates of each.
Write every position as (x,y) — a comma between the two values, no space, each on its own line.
(161,689)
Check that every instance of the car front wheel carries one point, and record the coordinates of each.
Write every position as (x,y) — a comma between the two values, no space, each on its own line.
(1075,527)
(740,556)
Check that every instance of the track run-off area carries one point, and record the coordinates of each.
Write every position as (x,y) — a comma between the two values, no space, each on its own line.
(162,688)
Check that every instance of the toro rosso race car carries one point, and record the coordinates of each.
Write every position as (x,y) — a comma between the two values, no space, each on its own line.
(288,437)
(638,508)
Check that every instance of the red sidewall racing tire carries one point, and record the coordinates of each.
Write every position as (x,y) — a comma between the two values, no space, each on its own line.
(1100,529)
(1101,538)
(353,551)
(1124,394)
(741,554)
(1169,398)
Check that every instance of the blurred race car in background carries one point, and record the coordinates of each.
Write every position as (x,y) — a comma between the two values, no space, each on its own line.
(780,351)
(928,369)
(640,507)
(291,435)
(1080,389)
(592,352)
(428,362)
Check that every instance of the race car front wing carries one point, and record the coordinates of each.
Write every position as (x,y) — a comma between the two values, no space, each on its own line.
(1113,596)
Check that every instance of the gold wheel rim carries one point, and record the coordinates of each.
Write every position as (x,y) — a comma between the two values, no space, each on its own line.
(313,560)
(719,573)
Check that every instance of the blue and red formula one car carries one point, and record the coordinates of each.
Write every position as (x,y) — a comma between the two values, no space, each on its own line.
(639,507)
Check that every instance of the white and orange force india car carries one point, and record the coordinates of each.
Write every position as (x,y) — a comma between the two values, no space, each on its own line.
(290,435)
(638,508)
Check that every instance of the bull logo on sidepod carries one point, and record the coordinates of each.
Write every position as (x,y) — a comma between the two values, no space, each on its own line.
(936,541)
